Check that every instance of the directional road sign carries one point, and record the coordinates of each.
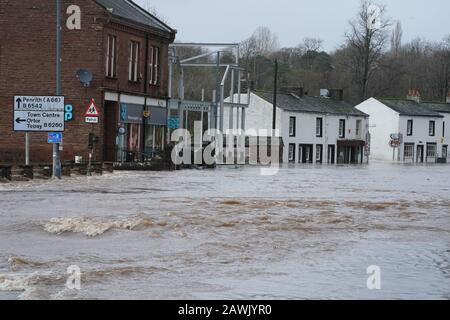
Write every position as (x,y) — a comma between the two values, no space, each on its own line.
(39,113)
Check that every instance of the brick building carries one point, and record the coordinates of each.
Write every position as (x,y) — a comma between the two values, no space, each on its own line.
(122,45)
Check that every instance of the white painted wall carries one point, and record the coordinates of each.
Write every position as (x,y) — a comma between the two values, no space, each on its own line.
(383,122)
(259,116)
(306,132)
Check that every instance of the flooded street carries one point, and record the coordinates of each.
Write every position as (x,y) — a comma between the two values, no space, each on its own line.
(309,232)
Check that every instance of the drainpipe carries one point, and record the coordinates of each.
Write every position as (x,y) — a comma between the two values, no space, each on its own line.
(145,100)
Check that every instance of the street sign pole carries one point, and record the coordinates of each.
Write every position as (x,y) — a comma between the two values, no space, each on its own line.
(56,154)
(27,149)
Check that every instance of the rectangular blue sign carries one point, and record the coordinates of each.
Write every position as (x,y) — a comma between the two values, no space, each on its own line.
(55,137)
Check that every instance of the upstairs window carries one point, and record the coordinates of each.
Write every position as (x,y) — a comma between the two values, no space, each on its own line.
(133,62)
(111,57)
(154,66)
(292,128)
(443,129)
(409,128)
(319,127)
(432,128)
(341,128)
(358,127)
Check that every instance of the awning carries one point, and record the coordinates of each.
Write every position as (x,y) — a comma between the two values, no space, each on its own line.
(351,143)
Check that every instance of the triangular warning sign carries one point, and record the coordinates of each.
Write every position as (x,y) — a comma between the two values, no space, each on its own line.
(92,110)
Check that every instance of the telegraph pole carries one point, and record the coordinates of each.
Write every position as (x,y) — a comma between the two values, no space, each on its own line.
(56,154)
(275,89)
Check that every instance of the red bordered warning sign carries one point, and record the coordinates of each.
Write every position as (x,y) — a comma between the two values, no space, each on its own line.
(92,110)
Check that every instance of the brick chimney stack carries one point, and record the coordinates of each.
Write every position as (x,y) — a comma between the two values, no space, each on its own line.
(413,95)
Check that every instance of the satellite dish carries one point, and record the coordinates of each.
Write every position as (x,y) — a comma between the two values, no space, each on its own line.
(85,77)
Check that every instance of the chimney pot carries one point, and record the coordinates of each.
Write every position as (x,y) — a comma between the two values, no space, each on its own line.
(413,95)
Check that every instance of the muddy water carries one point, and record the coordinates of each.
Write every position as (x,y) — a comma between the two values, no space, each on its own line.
(308,232)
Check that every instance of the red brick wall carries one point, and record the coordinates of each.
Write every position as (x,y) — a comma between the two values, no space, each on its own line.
(27,67)
(124,36)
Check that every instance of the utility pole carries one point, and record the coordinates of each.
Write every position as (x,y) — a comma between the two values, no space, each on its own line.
(56,154)
(275,89)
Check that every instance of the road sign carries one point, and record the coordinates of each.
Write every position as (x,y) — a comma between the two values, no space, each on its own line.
(91,119)
(55,137)
(39,113)
(92,110)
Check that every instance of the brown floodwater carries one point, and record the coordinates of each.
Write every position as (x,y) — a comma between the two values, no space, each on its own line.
(309,232)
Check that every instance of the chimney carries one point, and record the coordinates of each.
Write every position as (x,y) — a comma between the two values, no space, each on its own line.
(413,95)
(337,94)
(295,90)
(448,97)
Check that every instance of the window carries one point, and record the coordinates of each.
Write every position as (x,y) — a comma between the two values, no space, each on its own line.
(342,128)
(443,129)
(319,152)
(432,128)
(292,152)
(358,127)
(111,56)
(431,150)
(153,67)
(409,150)
(319,127)
(409,128)
(133,63)
(292,129)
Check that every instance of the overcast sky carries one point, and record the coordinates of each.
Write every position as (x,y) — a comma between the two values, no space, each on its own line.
(292,20)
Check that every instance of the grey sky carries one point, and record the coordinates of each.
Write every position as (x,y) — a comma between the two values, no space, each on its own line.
(292,20)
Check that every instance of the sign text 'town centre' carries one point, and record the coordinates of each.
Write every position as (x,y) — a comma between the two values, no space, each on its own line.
(39,113)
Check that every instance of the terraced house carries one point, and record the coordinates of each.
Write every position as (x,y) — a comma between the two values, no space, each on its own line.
(124,47)
(420,128)
(314,129)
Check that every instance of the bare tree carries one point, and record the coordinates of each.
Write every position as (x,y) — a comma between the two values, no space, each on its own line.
(311,44)
(152,10)
(396,39)
(367,42)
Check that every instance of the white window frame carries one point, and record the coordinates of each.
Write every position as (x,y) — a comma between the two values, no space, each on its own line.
(341,128)
(408,152)
(111,56)
(319,127)
(432,128)
(292,126)
(133,61)
(358,127)
(433,152)
(409,127)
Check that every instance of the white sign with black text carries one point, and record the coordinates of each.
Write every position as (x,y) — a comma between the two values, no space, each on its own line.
(39,113)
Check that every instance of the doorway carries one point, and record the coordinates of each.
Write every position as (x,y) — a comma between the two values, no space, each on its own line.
(331,153)
(445,152)
(111,120)
(305,153)
(420,155)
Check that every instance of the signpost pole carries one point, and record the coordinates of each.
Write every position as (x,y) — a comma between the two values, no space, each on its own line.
(27,149)
(56,154)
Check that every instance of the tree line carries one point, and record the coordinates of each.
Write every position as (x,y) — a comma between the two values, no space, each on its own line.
(373,61)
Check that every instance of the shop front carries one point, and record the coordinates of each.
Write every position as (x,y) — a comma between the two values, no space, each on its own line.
(141,135)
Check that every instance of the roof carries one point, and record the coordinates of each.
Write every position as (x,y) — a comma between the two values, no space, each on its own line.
(439,107)
(128,10)
(412,108)
(308,104)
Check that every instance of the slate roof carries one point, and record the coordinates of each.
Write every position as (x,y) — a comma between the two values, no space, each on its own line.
(128,10)
(309,104)
(412,108)
(440,107)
